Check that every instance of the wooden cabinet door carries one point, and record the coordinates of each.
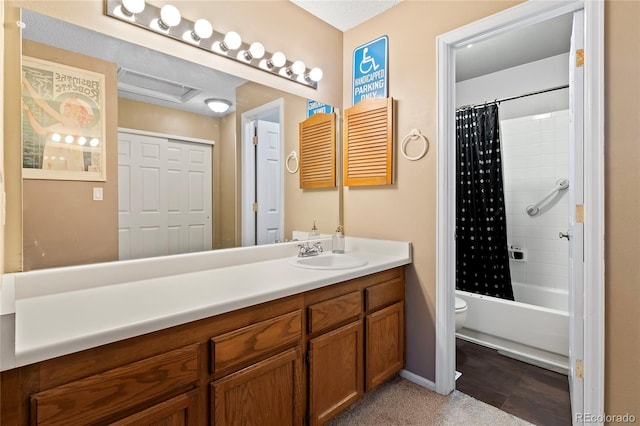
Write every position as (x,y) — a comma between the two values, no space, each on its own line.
(268,393)
(385,344)
(336,367)
(179,411)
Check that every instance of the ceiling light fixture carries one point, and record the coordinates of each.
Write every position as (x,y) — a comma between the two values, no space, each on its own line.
(169,22)
(218,105)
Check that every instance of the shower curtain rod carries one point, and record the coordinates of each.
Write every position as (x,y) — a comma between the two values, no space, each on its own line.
(511,98)
(566,86)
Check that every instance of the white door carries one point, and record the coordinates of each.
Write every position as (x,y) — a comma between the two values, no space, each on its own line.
(268,183)
(576,229)
(262,175)
(188,197)
(141,180)
(164,196)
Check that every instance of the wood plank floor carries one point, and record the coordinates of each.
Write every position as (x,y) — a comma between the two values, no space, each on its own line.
(532,393)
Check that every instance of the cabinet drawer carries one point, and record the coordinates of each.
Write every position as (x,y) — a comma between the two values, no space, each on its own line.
(240,347)
(102,395)
(181,410)
(333,312)
(381,295)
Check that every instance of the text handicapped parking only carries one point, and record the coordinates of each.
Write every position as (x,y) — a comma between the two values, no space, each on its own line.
(370,65)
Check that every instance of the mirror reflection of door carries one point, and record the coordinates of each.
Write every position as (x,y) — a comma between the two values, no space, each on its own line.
(262,184)
(164,196)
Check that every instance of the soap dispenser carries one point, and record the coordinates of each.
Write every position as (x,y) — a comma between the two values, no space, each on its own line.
(314,232)
(337,241)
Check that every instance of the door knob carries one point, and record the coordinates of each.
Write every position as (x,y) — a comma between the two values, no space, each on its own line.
(563,235)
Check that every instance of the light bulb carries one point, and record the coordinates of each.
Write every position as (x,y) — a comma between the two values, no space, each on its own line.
(278,59)
(298,67)
(202,29)
(131,7)
(169,17)
(94,142)
(316,74)
(69,139)
(56,137)
(256,50)
(232,40)
(82,140)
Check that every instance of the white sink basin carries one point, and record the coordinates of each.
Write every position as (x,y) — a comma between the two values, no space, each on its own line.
(329,261)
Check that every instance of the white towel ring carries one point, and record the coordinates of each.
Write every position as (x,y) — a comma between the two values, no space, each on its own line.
(294,156)
(414,134)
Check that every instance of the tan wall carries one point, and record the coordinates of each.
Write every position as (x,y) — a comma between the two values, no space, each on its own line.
(302,207)
(622,207)
(60,217)
(406,210)
(154,118)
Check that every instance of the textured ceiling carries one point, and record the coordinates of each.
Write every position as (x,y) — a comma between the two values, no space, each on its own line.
(345,14)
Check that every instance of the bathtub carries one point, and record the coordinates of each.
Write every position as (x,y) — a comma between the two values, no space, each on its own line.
(534,328)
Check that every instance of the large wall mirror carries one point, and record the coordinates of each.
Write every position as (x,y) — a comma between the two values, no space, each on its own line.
(175,170)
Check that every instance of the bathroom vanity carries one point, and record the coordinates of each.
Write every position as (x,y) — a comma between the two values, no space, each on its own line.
(221,340)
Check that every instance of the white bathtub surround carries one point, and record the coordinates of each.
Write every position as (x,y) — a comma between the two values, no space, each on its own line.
(64,310)
(536,154)
(535,334)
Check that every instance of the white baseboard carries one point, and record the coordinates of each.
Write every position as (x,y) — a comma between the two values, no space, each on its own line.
(418,380)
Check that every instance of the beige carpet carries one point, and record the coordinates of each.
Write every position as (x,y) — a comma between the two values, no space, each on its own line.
(400,402)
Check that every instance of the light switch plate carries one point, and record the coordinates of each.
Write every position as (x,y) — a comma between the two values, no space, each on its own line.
(97,194)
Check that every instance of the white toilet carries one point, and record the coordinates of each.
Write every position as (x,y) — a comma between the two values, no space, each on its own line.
(461,313)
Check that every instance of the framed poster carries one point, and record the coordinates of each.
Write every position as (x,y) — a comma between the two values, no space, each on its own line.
(63,123)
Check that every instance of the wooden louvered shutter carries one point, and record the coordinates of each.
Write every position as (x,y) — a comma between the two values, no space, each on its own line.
(318,151)
(368,143)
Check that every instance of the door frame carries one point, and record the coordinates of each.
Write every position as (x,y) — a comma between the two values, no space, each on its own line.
(247,184)
(593,269)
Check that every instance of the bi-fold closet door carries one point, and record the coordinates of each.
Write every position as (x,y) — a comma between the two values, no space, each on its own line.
(164,196)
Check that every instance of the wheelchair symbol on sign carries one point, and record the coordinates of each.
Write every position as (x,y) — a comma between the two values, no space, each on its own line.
(367,63)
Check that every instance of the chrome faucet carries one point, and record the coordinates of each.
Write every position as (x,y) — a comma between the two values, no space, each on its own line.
(305,250)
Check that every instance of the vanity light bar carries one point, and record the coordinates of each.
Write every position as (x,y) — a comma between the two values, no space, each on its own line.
(168,22)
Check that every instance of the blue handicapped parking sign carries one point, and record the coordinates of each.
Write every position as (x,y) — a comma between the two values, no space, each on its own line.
(370,75)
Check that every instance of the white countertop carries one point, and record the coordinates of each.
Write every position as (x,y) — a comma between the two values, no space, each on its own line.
(83,307)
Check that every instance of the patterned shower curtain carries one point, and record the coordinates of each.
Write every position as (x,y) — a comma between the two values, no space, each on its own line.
(482,262)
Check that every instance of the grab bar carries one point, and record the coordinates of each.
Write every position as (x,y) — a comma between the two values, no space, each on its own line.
(561,185)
